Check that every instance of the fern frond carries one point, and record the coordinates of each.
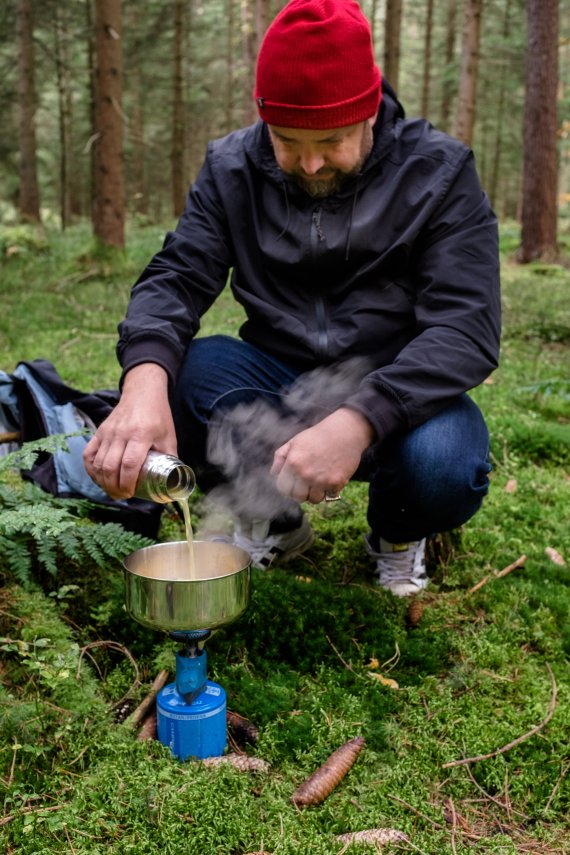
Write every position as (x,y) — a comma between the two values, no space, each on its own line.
(26,456)
(36,520)
(71,545)
(116,542)
(47,554)
(92,549)
(16,558)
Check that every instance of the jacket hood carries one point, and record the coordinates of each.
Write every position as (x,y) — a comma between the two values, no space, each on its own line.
(259,150)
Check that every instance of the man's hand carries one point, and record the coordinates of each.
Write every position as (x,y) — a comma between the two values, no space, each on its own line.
(141,420)
(323,458)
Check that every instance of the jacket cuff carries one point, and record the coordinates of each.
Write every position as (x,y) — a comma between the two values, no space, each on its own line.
(384,411)
(150,351)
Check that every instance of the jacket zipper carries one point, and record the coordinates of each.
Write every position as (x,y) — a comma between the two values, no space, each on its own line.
(320,312)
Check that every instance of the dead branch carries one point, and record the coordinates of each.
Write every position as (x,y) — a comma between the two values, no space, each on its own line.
(149,727)
(515,742)
(506,570)
(138,714)
(321,783)
(499,575)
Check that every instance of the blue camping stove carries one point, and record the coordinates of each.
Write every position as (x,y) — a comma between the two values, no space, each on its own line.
(191,712)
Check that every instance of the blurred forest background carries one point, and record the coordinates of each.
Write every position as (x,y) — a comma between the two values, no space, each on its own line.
(107,105)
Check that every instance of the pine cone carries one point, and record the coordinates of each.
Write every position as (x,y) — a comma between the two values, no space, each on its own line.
(414,613)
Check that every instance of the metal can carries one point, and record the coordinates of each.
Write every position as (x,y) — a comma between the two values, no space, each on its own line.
(164,478)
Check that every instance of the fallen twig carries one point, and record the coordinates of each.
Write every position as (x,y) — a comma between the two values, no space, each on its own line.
(493,798)
(435,824)
(139,713)
(321,783)
(149,726)
(506,570)
(515,742)
(11,816)
(120,648)
(346,664)
(499,575)
(68,839)
(453,824)
(554,791)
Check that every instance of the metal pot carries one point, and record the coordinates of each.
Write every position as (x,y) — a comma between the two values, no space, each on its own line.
(160,596)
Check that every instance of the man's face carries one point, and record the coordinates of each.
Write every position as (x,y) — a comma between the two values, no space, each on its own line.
(321,161)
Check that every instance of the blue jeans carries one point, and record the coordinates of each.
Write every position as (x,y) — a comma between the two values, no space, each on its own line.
(232,409)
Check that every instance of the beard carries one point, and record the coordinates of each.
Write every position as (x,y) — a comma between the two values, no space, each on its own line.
(333,180)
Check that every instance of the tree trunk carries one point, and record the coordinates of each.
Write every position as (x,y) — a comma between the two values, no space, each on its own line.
(137,193)
(424,111)
(248,52)
(229,65)
(65,102)
(447,87)
(109,215)
(392,27)
(29,193)
(465,118)
(177,152)
(139,189)
(261,22)
(540,168)
(90,149)
(373,17)
(493,183)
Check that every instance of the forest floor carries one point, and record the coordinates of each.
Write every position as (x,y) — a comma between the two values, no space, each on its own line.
(462,696)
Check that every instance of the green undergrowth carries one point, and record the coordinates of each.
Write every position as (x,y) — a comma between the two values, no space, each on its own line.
(478,667)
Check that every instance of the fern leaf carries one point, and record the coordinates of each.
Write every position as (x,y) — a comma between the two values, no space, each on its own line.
(15,556)
(70,544)
(47,554)
(36,520)
(26,456)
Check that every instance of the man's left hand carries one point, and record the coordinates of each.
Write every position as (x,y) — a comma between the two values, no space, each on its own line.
(322,459)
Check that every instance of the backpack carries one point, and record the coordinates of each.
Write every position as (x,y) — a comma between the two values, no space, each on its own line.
(35,402)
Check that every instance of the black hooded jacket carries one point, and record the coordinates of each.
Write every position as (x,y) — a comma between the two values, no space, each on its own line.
(401,267)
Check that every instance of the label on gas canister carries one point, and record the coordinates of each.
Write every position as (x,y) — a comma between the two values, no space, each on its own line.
(197,729)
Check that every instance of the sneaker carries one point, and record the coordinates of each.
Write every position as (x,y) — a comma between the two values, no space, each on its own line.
(400,567)
(265,548)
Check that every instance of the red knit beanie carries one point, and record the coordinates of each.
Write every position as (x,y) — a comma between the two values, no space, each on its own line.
(316,67)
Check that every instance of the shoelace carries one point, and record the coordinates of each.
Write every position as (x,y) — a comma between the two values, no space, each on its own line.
(259,551)
(400,566)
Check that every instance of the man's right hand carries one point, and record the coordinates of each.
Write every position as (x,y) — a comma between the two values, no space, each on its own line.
(141,420)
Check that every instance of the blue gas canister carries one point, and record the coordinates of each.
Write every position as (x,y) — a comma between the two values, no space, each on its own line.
(196,729)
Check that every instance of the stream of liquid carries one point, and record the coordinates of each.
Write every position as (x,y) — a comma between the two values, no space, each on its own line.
(183,505)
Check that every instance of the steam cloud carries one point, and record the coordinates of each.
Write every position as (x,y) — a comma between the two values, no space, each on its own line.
(242,441)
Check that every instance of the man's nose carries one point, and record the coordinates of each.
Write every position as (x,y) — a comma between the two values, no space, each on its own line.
(311,161)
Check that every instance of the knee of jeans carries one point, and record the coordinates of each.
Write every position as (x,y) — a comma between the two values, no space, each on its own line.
(453,484)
